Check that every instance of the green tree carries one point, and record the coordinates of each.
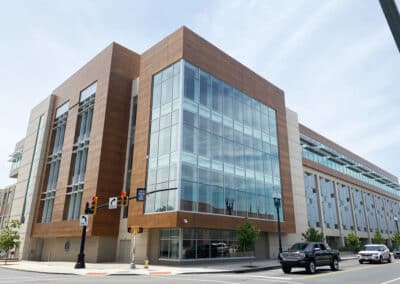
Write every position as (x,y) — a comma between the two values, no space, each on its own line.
(247,235)
(378,239)
(353,242)
(312,235)
(9,237)
(395,240)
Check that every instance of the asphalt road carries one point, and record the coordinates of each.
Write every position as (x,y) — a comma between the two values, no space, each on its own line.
(350,272)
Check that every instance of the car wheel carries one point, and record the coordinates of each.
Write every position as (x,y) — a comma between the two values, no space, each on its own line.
(389,259)
(286,269)
(310,268)
(380,259)
(334,264)
(361,261)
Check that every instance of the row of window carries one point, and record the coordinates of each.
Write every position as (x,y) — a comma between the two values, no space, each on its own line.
(370,211)
(79,157)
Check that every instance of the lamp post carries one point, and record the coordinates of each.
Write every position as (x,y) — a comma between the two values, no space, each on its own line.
(397,223)
(277,203)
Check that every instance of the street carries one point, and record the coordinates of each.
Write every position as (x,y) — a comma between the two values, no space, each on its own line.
(350,272)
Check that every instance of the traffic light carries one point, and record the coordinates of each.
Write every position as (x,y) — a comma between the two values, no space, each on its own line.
(135,230)
(93,209)
(123,200)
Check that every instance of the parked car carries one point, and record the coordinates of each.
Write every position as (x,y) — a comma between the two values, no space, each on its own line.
(396,252)
(374,253)
(309,255)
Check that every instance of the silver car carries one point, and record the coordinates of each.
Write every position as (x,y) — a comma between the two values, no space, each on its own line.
(374,253)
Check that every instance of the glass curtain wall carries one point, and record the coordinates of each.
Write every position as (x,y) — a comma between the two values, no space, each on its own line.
(230,162)
(358,205)
(371,213)
(328,202)
(380,213)
(53,165)
(310,184)
(80,152)
(345,206)
(164,137)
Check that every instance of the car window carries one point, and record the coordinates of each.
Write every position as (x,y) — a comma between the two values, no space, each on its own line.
(316,246)
(322,246)
(299,246)
(372,247)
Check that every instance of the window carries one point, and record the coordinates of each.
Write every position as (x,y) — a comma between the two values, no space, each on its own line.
(80,153)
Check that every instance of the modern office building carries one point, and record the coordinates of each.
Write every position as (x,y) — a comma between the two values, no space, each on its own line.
(210,140)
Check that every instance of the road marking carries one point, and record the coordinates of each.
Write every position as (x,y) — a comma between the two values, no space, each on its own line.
(276,279)
(199,280)
(35,280)
(391,281)
(337,272)
(160,273)
(96,274)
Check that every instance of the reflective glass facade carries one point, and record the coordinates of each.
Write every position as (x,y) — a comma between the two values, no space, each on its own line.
(345,206)
(328,202)
(164,137)
(371,212)
(227,148)
(310,185)
(358,205)
(230,162)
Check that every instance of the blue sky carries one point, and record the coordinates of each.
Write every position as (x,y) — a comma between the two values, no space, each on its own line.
(336,60)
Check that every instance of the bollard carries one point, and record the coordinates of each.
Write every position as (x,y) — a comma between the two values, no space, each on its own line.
(146,264)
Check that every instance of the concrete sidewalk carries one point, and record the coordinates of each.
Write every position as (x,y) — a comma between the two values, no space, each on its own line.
(102,269)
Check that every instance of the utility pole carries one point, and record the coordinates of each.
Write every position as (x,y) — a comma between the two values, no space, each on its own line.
(393,18)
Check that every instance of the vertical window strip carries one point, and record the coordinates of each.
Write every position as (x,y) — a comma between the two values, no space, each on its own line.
(80,153)
(54,167)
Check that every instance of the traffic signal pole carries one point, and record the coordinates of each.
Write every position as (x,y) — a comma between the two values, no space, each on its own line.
(80,263)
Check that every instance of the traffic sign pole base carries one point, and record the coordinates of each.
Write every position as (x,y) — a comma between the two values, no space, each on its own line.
(133,265)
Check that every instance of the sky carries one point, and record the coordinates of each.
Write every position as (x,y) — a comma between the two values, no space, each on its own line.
(336,60)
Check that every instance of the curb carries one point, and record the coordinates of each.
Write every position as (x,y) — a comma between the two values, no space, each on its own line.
(238,271)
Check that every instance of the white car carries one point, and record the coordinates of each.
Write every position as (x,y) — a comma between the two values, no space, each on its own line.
(374,253)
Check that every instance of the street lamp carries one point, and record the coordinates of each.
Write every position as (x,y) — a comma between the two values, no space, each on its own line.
(397,224)
(277,202)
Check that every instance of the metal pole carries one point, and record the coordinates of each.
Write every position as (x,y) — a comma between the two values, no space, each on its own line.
(392,15)
(279,226)
(80,263)
(133,265)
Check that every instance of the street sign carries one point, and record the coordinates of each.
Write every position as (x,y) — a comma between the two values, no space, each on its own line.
(140,194)
(83,220)
(113,203)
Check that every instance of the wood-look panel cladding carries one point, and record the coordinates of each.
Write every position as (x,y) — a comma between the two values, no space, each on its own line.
(310,133)
(113,69)
(189,46)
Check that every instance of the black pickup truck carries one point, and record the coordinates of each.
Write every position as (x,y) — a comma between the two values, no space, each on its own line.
(309,255)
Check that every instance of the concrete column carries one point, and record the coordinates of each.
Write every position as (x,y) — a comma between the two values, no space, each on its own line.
(339,216)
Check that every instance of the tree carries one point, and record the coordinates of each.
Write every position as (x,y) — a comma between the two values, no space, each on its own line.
(395,240)
(378,239)
(247,235)
(312,235)
(9,237)
(353,241)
